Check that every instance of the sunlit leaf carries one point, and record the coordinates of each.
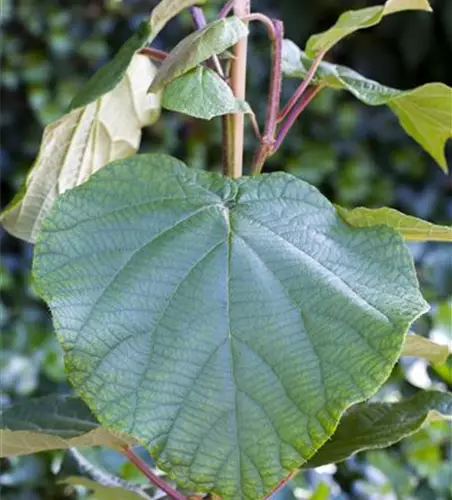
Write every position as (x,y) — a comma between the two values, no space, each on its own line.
(100,491)
(378,425)
(322,492)
(425,112)
(203,94)
(411,228)
(215,38)
(82,142)
(166,10)
(420,347)
(51,423)
(227,324)
(355,20)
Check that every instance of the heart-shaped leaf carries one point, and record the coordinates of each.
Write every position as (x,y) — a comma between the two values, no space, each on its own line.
(166,10)
(378,425)
(411,228)
(52,423)
(203,94)
(355,20)
(215,38)
(227,324)
(81,143)
(424,112)
(420,347)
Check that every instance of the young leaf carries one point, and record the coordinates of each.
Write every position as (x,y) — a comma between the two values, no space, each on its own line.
(203,94)
(355,20)
(378,425)
(111,74)
(215,38)
(227,324)
(424,112)
(166,10)
(81,143)
(51,423)
(411,228)
(102,492)
(420,347)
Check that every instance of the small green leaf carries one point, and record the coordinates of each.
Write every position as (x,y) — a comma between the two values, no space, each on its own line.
(355,20)
(215,38)
(101,492)
(51,423)
(82,142)
(110,75)
(425,112)
(203,94)
(378,425)
(226,324)
(411,228)
(420,347)
(322,492)
(166,10)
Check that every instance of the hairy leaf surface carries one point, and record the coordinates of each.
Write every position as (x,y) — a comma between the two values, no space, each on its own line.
(227,324)
(425,112)
(411,228)
(203,94)
(378,425)
(51,423)
(82,142)
(215,38)
(420,347)
(355,20)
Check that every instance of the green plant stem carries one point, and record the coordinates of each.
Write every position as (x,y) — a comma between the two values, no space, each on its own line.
(274,97)
(234,129)
(153,478)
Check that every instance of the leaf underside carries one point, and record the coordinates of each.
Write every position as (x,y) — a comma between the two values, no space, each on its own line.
(420,347)
(378,425)
(165,10)
(100,491)
(51,423)
(82,142)
(226,324)
(425,113)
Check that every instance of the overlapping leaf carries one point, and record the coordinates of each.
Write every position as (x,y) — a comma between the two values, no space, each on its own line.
(215,38)
(203,94)
(166,10)
(411,228)
(378,425)
(225,323)
(420,347)
(102,492)
(51,423)
(355,20)
(424,112)
(82,142)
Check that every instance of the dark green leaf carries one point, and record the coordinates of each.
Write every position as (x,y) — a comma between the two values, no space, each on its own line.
(378,425)
(215,38)
(424,112)
(411,228)
(355,20)
(227,324)
(203,94)
(51,423)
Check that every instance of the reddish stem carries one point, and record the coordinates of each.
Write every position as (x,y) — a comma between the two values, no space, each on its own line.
(274,97)
(226,9)
(198,17)
(303,86)
(157,55)
(153,478)
(266,21)
(307,97)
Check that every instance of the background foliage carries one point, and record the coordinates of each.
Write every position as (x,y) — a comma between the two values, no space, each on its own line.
(355,155)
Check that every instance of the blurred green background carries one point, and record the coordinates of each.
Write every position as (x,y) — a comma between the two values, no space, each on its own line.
(355,155)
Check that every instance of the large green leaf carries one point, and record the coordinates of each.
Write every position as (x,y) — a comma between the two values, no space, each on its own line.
(420,347)
(227,324)
(81,143)
(51,423)
(355,20)
(102,492)
(378,425)
(411,228)
(166,10)
(203,94)
(424,112)
(215,38)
